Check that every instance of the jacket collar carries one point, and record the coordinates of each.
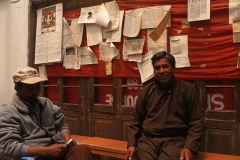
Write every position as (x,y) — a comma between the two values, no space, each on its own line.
(169,87)
(22,106)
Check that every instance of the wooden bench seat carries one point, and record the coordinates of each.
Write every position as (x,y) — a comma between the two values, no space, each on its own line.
(117,149)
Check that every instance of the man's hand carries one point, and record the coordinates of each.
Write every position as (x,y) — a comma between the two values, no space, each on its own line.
(130,152)
(186,154)
(71,144)
(56,150)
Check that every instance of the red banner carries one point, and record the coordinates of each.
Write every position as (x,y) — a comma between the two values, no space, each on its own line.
(211,46)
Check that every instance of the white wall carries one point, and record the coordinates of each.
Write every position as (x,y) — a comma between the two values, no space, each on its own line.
(13,43)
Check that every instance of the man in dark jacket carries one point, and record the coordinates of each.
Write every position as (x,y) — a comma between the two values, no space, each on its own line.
(34,126)
(167,123)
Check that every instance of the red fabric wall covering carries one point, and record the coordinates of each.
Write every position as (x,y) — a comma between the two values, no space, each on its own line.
(213,46)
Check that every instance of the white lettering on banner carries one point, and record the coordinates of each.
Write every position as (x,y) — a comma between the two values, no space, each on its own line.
(109,99)
(133,81)
(214,101)
(129,100)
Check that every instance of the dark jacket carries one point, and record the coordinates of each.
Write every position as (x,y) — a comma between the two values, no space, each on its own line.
(171,112)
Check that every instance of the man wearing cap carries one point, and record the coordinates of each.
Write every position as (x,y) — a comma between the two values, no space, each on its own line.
(33,126)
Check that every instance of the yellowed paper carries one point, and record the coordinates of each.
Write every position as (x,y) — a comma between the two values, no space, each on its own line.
(238,62)
(157,33)
(236,29)
(108,67)
(185,24)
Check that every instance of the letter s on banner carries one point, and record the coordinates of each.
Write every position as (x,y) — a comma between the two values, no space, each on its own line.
(213,100)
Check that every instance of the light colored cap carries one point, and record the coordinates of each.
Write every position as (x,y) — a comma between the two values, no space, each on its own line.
(27,75)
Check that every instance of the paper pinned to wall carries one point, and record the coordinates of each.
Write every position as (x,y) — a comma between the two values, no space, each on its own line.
(70,55)
(49,35)
(157,33)
(145,67)
(132,23)
(113,11)
(238,61)
(236,29)
(43,71)
(133,48)
(159,45)
(94,34)
(198,10)
(108,67)
(88,14)
(86,55)
(179,49)
(233,8)
(185,24)
(102,16)
(152,16)
(77,32)
(115,36)
(107,51)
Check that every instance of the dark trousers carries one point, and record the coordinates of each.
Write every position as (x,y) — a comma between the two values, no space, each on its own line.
(159,148)
(77,152)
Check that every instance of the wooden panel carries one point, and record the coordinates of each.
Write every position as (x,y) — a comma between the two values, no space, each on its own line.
(237,99)
(125,130)
(213,156)
(126,110)
(71,107)
(104,127)
(84,101)
(73,119)
(220,137)
(219,141)
(227,115)
(200,87)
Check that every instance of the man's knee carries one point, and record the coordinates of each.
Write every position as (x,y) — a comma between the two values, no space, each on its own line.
(77,148)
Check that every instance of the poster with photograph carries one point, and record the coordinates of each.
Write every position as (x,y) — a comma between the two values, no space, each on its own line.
(49,34)
(48,19)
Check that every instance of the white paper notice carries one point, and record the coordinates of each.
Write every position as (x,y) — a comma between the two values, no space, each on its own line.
(102,16)
(234,10)
(107,51)
(113,11)
(70,56)
(132,23)
(179,49)
(152,16)
(159,45)
(87,56)
(67,37)
(77,32)
(88,14)
(49,34)
(133,45)
(43,72)
(145,67)
(115,36)
(198,10)
(94,34)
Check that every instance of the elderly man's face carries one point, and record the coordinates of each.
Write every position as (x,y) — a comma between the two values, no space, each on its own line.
(29,92)
(163,71)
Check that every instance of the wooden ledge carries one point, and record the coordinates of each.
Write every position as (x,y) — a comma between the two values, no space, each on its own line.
(117,149)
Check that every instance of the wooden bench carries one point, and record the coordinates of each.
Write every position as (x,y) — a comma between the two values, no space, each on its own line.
(117,149)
